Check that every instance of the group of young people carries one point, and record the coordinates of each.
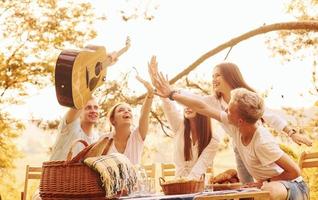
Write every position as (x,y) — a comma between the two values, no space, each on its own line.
(238,108)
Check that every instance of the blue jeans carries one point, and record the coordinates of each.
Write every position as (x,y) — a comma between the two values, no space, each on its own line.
(296,190)
(242,172)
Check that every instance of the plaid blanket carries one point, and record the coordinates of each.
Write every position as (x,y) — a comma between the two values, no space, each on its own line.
(116,173)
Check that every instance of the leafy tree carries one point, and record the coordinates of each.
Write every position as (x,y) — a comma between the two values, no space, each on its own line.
(32,33)
(301,44)
(298,44)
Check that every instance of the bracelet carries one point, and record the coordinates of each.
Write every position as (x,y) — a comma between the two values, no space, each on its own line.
(291,132)
(171,95)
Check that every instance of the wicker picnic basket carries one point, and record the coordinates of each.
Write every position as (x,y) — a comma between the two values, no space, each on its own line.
(71,179)
(183,187)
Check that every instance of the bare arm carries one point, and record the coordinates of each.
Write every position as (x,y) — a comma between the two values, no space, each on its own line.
(197,105)
(163,89)
(291,170)
(145,109)
(280,125)
(297,137)
(71,115)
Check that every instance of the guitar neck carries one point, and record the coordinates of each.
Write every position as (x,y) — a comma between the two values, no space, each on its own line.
(108,59)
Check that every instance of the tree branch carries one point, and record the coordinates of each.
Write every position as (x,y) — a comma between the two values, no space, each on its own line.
(301,25)
(162,125)
(194,85)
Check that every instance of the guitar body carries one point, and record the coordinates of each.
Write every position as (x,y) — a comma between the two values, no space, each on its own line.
(78,74)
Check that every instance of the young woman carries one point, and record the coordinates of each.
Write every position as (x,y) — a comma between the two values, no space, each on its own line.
(273,170)
(195,146)
(226,77)
(126,139)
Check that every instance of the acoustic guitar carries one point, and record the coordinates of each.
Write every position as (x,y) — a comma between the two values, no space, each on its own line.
(79,72)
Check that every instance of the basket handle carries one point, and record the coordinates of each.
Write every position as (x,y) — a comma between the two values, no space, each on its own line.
(161,180)
(106,149)
(70,152)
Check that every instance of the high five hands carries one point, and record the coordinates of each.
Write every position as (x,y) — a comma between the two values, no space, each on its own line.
(159,81)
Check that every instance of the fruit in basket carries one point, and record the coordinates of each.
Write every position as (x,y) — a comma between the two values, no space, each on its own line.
(228,176)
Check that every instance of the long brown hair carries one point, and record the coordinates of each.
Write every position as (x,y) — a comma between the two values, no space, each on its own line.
(204,134)
(233,76)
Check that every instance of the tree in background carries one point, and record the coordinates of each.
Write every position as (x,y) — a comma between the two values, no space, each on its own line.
(298,44)
(301,44)
(32,33)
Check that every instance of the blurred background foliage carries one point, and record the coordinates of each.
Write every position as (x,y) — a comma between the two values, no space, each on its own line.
(33,32)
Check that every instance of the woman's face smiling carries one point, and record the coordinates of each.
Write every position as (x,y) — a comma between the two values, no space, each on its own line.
(218,82)
(122,115)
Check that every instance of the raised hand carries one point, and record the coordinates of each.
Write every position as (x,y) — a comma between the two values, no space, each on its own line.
(301,139)
(153,69)
(162,85)
(159,81)
(147,85)
(112,58)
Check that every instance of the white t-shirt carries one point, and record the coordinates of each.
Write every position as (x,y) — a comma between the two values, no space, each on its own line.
(67,134)
(198,165)
(134,147)
(260,155)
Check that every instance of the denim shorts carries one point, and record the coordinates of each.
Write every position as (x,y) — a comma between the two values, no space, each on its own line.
(296,190)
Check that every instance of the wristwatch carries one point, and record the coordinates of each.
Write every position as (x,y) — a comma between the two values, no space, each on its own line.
(171,94)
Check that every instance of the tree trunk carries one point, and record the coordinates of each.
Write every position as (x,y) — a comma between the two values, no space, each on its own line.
(300,25)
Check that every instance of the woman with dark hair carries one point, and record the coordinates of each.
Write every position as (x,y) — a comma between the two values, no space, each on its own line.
(195,146)
(226,77)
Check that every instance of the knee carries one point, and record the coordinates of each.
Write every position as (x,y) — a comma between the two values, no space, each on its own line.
(276,190)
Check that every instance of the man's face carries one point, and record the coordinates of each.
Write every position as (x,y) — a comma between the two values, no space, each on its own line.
(90,112)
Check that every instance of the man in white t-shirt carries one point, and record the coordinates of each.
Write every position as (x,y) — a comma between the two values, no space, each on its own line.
(76,124)
(273,170)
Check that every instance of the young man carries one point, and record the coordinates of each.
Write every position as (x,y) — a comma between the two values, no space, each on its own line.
(266,162)
(77,124)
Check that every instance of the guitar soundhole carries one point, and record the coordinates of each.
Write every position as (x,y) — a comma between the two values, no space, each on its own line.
(98,68)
